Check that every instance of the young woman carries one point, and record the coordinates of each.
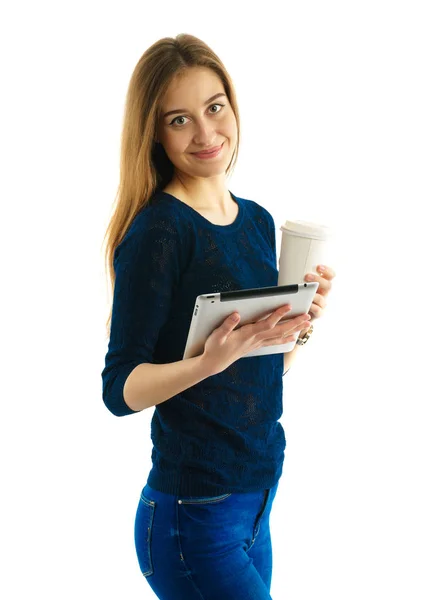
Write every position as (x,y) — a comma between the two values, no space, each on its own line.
(202,521)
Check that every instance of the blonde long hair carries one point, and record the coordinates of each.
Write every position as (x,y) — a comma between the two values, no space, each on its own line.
(144,165)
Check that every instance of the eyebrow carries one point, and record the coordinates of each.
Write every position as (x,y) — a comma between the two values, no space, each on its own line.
(180,110)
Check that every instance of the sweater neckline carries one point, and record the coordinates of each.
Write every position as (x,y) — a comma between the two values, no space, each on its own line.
(226,228)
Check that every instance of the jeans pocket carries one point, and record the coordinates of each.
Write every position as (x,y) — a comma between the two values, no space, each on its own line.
(143,534)
(204,499)
(260,514)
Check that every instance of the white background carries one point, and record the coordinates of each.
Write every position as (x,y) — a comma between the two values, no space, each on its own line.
(335,101)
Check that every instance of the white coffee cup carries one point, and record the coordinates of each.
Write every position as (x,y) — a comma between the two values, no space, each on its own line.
(304,246)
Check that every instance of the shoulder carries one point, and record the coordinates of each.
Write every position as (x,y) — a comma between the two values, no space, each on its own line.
(258,211)
(156,222)
(158,213)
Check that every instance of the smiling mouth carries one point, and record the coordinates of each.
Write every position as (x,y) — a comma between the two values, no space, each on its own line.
(211,151)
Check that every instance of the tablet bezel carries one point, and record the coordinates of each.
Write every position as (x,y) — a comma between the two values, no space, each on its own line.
(253,305)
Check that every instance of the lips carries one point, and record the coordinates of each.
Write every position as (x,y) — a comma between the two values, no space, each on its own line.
(208,151)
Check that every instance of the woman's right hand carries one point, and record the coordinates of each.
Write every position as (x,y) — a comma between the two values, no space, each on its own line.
(224,346)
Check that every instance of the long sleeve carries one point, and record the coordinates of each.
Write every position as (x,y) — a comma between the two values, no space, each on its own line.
(147,270)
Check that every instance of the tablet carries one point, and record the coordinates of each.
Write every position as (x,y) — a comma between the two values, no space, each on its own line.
(253,305)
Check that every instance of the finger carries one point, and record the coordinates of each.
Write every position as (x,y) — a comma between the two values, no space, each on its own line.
(324,284)
(292,325)
(315,311)
(320,300)
(326,271)
(230,323)
(273,328)
(274,318)
(292,321)
(278,340)
(284,337)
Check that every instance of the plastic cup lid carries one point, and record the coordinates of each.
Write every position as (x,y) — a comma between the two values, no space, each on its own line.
(309,230)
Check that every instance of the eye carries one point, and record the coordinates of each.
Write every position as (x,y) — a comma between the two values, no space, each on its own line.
(174,124)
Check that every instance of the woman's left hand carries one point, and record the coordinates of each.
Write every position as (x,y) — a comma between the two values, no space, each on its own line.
(326,274)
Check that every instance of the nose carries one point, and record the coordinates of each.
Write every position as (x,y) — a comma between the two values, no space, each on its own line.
(204,134)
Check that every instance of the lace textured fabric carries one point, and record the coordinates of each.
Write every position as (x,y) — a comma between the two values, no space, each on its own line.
(222,434)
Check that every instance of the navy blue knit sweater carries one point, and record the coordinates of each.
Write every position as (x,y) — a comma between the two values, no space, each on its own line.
(222,434)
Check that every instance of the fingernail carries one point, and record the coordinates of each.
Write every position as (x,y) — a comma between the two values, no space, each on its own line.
(321,268)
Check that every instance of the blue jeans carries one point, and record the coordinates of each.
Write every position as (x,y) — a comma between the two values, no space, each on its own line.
(205,548)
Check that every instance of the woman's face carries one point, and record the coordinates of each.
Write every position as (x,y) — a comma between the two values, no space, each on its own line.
(201,118)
